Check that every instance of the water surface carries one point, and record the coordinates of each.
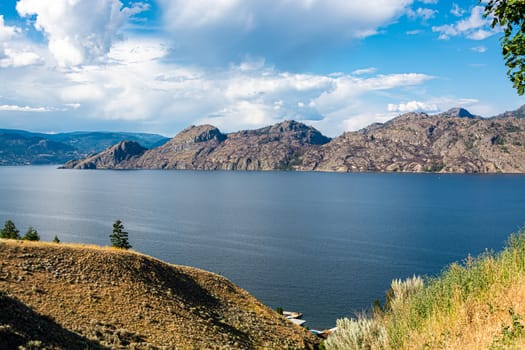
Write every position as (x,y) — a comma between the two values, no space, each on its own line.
(324,244)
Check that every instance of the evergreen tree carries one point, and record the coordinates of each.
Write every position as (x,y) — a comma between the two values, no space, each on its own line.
(9,231)
(119,237)
(31,235)
(56,240)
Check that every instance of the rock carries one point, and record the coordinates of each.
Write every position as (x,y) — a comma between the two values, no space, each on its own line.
(455,141)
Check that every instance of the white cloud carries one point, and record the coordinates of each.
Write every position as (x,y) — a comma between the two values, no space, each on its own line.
(13,58)
(479,49)
(423,13)
(7,32)
(456,10)
(475,27)
(159,95)
(277,32)
(413,106)
(15,108)
(363,71)
(429,1)
(78,31)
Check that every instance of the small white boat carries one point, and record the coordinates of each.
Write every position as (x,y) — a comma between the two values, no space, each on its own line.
(297,321)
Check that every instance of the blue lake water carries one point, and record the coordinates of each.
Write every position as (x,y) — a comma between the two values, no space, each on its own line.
(324,244)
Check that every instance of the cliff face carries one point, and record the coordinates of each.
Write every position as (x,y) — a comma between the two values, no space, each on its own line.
(451,142)
(80,297)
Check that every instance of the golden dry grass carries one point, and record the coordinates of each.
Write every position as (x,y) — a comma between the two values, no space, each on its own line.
(123,299)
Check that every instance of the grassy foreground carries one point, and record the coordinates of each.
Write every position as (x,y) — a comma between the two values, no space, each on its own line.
(476,304)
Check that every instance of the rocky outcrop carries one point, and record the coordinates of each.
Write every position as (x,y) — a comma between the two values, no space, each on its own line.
(123,153)
(455,141)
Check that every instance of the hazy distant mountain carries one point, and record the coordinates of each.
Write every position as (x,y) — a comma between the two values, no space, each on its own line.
(19,147)
(454,141)
(518,113)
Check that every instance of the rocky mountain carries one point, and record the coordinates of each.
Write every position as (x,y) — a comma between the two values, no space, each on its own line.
(19,147)
(417,142)
(65,296)
(451,142)
(204,147)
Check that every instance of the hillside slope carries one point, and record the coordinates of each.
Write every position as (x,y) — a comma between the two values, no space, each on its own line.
(108,298)
(451,142)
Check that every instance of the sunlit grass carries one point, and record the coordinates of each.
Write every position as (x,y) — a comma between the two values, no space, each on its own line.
(475,304)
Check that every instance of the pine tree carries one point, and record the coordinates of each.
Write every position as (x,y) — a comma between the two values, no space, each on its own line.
(31,235)
(9,231)
(119,237)
(56,239)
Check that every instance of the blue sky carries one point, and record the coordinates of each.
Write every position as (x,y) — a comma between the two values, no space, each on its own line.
(161,65)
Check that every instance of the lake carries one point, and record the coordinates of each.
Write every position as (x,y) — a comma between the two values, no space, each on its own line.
(324,244)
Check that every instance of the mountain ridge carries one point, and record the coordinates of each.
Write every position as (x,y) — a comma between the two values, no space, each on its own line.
(454,141)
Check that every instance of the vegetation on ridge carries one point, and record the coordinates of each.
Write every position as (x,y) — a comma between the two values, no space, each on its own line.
(476,304)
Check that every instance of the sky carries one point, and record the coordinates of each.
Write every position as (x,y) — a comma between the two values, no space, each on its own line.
(162,65)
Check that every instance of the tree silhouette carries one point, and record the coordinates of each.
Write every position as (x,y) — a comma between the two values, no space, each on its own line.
(31,235)
(119,237)
(9,231)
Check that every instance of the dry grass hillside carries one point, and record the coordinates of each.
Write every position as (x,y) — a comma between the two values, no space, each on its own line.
(62,296)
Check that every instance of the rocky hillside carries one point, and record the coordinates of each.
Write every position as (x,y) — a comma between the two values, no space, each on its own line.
(59,296)
(452,142)
(204,147)
(417,142)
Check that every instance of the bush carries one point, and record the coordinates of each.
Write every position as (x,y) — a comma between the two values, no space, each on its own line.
(362,333)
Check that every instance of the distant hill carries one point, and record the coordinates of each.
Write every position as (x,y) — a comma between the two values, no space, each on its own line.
(455,141)
(19,147)
(64,296)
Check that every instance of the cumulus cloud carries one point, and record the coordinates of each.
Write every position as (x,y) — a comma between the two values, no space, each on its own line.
(413,106)
(136,84)
(475,27)
(78,31)
(280,32)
